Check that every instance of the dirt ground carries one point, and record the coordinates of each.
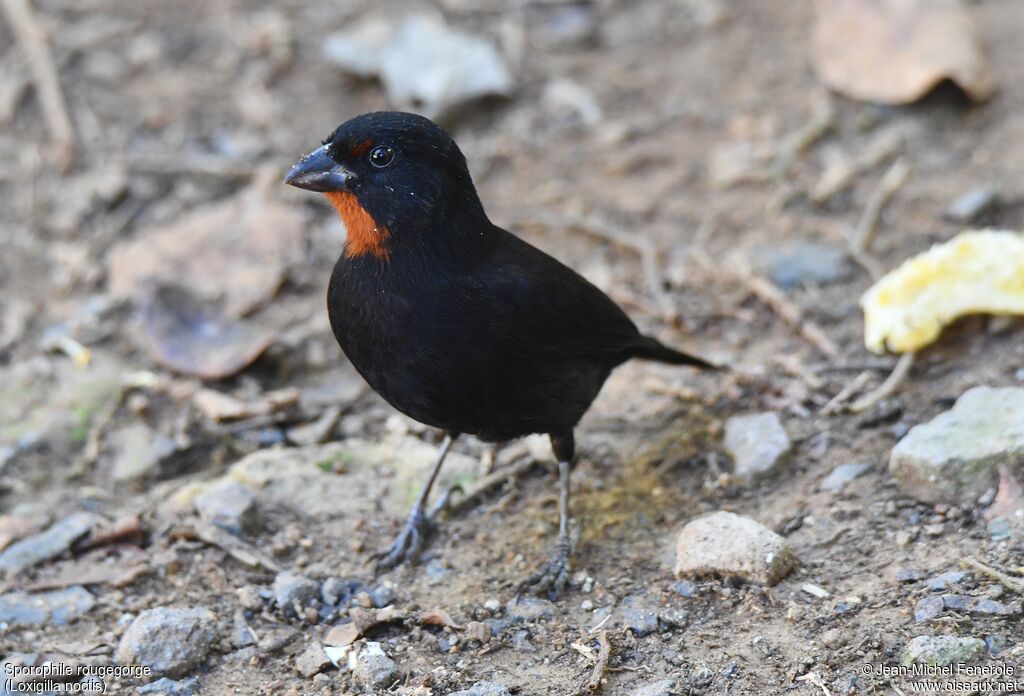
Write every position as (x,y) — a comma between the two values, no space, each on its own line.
(179,106)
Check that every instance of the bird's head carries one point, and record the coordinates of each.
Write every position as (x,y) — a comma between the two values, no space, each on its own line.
(395,178)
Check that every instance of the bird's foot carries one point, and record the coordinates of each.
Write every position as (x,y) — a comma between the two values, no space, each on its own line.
(552,577)
(408,543)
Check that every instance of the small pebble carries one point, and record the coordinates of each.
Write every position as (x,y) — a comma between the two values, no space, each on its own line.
(946,580)
(973,205)
(928,608)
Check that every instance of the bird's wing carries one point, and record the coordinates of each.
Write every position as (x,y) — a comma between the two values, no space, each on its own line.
(542,307)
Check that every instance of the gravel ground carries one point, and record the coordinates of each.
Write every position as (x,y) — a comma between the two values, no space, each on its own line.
(207,507)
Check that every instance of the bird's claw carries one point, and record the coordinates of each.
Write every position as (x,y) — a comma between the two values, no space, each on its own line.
(407,544)
(552,577)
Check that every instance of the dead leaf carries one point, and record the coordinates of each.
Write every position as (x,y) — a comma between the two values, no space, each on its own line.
(185,334)
(896,51)
(438,617)
(342,635)
(126,530)
(365,619)
(219,406)
(236,251)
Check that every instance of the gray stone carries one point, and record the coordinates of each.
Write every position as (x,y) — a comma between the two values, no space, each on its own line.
(521,642)
(991,606)
(58,607)
(529,609)
(169,687)
(801,263)
(665,687)
(422,62)
(973,205)
(953,458)
(726,544)
(946,580)
(171,641)
(335,591)
(942,650)
(928,608)
(230,506)
(842,475)
(685,588)
(47,544)
(904,575)
(312,660)
(373,669)
(637,617)
(957,602)
(293,593)
(484,688)
(757,443)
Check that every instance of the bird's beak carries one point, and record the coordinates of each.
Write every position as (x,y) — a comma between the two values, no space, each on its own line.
(318,172)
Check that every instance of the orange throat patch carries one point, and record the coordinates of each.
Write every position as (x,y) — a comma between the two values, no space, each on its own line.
(364,235)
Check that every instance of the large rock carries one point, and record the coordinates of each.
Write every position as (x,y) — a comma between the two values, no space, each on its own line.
(170,641)
(954,457)
(326,480)
(942,650)
(758,443)
(729,545)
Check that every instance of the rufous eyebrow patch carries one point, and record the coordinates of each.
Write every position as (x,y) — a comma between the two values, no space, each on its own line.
(360,149)
(365,236)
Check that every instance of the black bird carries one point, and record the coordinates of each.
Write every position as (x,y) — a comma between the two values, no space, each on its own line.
(454,321)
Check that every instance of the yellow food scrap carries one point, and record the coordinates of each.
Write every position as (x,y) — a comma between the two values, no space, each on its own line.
(976,272)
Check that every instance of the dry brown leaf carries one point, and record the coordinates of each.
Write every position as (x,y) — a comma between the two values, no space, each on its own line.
(365,619)
(236,251)
(219,406)
(342,635)
(896,51)
(185,334)
(438,617)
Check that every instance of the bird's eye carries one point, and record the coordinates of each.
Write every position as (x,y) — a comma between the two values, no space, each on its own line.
(381,157)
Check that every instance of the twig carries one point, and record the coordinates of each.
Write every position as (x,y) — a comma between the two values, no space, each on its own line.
(601,664)
(837,402)
(600,624)
(234,547)
(44,74)
(1009,582)
(893,180)
(886,388)
(94,440)
(813,678)
(769,293)
(485,484)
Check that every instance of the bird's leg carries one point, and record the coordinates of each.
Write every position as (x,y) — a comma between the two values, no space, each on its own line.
(554,574)
(409,541)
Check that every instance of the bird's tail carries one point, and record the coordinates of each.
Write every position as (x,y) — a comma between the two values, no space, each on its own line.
(648,348)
